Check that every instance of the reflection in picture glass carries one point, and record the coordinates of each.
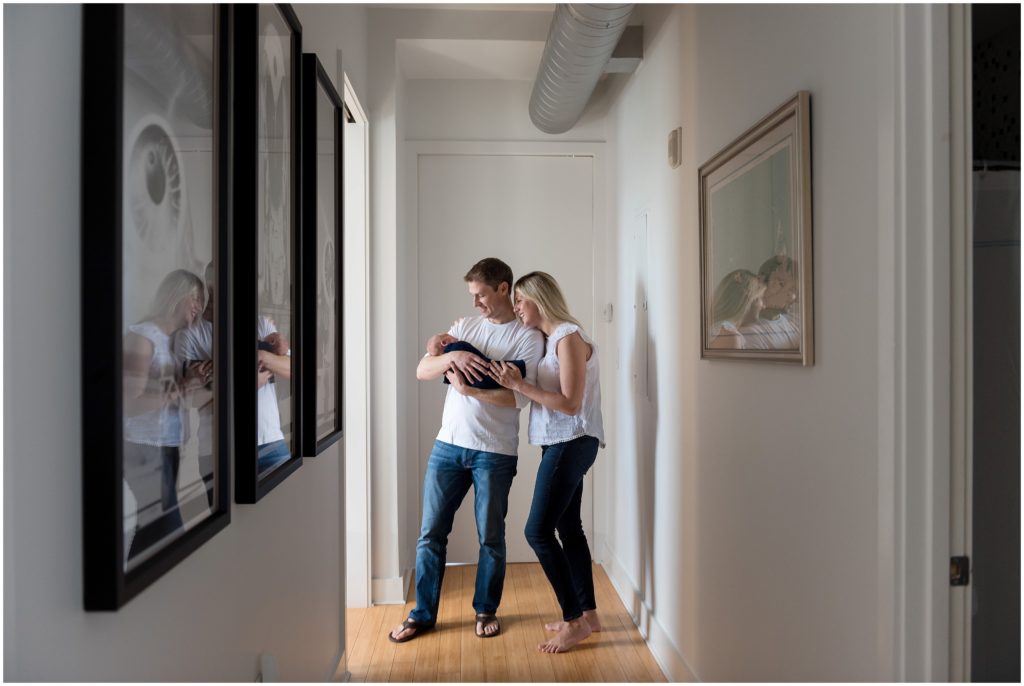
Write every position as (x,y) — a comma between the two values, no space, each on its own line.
(754,278)
(326,288)
(168,219)
(275,432)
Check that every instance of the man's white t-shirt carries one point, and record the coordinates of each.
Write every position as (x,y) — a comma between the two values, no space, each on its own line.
(478,425)
(196,343)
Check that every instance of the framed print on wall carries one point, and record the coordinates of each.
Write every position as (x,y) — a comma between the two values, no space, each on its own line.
(267,189)
(322,246)
(155,467)
(755,236)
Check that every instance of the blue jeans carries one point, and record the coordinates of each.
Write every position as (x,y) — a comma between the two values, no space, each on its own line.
(450,472)
(556,505)
(271,455)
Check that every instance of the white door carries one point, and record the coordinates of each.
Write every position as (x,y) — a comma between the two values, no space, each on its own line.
(535,212)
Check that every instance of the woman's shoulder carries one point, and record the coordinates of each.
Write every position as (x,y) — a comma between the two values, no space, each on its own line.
(564,329)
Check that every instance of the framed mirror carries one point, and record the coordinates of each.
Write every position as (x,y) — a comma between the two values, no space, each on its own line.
(267,191)
(323,118)
(155,467)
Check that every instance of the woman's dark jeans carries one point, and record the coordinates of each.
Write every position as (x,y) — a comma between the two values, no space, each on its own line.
(556,506)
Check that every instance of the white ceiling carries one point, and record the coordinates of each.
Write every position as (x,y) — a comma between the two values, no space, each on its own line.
(507,60)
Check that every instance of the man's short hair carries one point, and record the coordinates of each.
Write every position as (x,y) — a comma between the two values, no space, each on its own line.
(490,271)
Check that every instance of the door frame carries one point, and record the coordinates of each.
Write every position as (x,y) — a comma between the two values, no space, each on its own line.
(413,150)
(961,337)
(358,444)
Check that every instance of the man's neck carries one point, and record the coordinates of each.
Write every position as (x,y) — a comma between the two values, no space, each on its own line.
(502,318)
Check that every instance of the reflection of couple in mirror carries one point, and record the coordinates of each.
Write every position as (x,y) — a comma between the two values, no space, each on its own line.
(758,311)
(154,383)
(195,343)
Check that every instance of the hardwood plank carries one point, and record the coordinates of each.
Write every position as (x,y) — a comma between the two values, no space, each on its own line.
(425,669)
(514,627)
(450,624)
(353,621)
(452,653)
(533,629)
(383,656)
(548,610)
(369,631)
(472,647)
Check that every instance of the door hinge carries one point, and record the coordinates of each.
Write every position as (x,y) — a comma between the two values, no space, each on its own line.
(959,571)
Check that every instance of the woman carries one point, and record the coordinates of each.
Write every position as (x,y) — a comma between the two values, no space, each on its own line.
(565,420)
(153,383)
(738,301)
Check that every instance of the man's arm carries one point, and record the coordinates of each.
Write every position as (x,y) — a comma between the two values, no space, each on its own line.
(502,397)
(433,366)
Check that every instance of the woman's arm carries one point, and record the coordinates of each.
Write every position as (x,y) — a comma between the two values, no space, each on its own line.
(142,394)
(572,353)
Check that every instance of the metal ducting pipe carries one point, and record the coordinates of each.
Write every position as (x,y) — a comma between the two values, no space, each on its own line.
(580,41)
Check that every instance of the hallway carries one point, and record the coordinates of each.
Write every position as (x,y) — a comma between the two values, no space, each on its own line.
(453,654)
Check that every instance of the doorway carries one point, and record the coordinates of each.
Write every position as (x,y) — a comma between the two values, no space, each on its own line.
(985,426)
(532,206)
(995,497)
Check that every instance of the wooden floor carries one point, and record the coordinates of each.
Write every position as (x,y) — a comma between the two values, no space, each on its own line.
(452,653)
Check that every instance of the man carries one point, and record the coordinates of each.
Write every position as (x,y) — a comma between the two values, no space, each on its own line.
(196,343)
(778,326)
(477,446)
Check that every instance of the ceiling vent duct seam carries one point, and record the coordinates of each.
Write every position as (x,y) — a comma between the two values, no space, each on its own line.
(580,42)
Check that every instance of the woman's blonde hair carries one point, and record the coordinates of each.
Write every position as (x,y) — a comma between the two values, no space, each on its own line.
(736,294)
(543,290)
(175,287)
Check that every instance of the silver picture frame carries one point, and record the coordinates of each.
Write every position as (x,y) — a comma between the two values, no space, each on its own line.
(757,300)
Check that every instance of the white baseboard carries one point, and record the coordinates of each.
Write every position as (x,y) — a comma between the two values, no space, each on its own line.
(668,657)
(391,590)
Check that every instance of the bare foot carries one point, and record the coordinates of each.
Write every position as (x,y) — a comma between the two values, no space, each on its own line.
(590,615)
(572,633)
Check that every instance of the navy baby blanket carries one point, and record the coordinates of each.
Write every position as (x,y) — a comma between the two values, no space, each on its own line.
(487,382)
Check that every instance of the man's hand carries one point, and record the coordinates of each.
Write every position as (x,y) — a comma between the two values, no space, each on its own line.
(472,366)
(197,374)
(262,377)
(458,381)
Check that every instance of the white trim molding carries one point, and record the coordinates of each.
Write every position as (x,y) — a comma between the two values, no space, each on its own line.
(392,590)
(914,347)
(358,445)
(672,663)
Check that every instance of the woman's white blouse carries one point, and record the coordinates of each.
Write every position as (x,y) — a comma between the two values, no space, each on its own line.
(549,426)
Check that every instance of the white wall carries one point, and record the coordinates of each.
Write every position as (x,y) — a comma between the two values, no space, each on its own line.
(486,110)
(338,33)
(329,28)
(270,582)
(757,491)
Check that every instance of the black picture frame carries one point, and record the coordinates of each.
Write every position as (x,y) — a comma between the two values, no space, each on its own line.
(323,257)
(108,580)
(250,485)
